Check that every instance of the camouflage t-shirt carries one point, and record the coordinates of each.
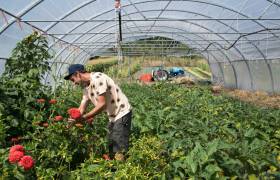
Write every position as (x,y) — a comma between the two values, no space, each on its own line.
(117,104)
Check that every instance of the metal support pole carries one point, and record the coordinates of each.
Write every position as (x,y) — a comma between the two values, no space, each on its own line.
(119,31)
(120,25)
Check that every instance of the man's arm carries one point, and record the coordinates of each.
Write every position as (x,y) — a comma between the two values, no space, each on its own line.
(101,104)
(101,88)
(84,103)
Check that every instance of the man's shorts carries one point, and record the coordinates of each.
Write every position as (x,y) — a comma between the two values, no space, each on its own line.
(118,134)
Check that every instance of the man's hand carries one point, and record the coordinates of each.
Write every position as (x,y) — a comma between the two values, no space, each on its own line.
(83,119)
(70,120)
(80,120)
(89,121)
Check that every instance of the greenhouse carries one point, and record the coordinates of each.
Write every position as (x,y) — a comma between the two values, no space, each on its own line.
(198,81)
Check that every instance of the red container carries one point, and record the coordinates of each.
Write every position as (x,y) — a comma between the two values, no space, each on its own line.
(146,77)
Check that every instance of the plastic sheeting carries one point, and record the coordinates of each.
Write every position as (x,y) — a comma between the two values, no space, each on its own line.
(240,39)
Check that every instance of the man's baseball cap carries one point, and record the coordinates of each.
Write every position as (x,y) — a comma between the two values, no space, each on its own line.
(74,68)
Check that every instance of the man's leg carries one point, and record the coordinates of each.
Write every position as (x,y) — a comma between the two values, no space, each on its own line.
(110,139)
(120,136)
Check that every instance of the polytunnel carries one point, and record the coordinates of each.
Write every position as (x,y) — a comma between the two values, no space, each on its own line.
(140,89)
(239,39)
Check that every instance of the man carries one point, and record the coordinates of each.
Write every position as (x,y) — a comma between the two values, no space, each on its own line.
(106,95)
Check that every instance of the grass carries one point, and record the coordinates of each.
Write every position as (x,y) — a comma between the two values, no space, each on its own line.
(102,60)
(132,66)
(198,72)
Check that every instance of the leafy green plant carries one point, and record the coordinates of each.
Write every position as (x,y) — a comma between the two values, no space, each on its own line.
(145,160)
(102,67)
(21,86)
(207,136)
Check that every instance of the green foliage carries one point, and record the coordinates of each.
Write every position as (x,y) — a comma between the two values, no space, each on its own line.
(144,161)
(154,45)
(29,58)
(113,69)
(103,67)
(125,70)
(59,149)
(207,136)
(177,132)
(3,127)
(20,85)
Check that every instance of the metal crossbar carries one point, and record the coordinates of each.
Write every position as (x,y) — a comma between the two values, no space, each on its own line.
(155,19)
(160,32)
